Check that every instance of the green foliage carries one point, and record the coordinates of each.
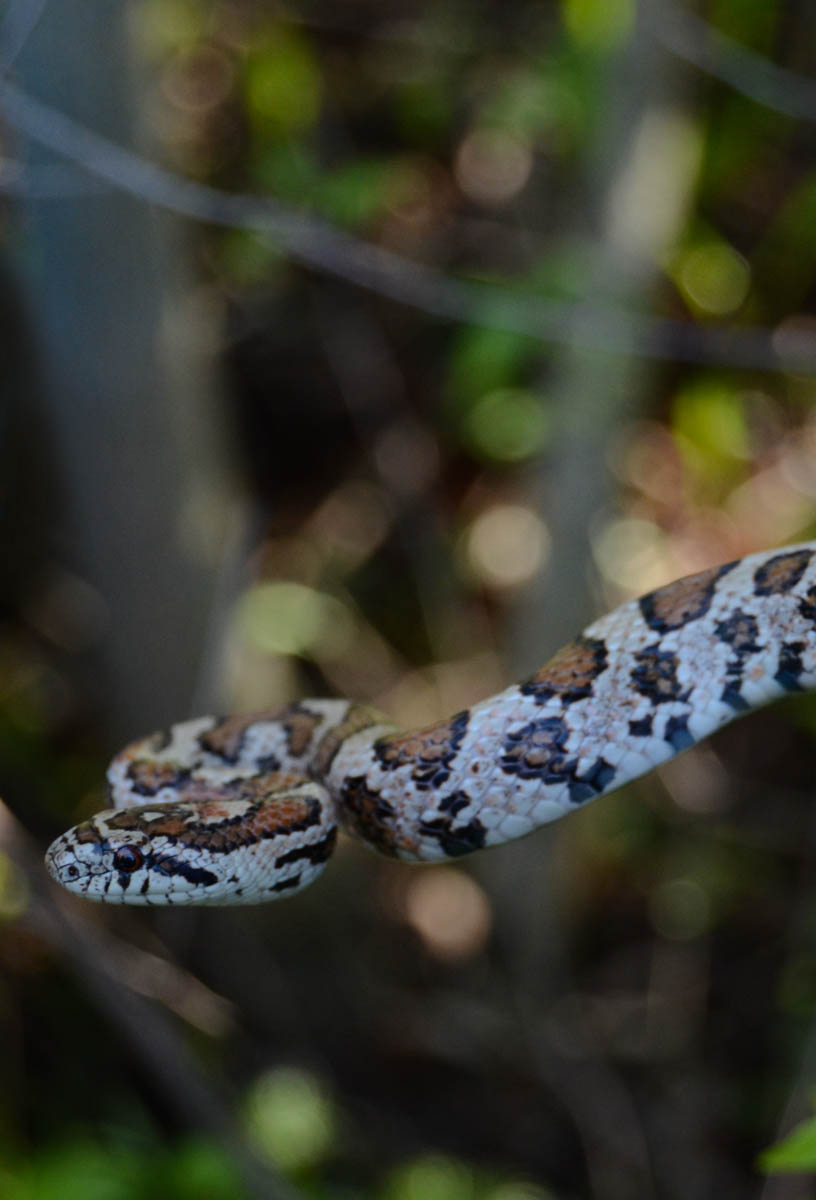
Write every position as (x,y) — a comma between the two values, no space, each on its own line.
(483,360)
(88,1170)
(693,926)
(710,415)
(431,1178)
(506,425)
(440,1177)
(598,24)
(743,143)
(785,258)
(290,1118)
(749,23)
(282,85)
(795,1154)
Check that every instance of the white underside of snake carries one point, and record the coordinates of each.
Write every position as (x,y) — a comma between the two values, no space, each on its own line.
(247,808)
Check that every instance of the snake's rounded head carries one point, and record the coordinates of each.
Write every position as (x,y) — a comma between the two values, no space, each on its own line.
(241,850)
(89,862)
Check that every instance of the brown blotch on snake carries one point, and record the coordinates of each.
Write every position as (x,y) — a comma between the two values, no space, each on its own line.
(149,776)
(539,751)
(685,600)
(781,573)
(371,816)
(428,752)
(655,675)
(187,826)
(570,673)
(226,739)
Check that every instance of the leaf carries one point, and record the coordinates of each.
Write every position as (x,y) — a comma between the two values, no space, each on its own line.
(796,1152)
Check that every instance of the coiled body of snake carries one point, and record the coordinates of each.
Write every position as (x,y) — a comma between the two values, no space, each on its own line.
(246,808)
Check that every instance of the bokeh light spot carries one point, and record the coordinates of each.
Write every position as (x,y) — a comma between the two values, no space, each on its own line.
(431,1178)
(290,618)
(506,545)
(290,1117)
(632,553)
(283,86)
(506,425)
(198,79)
(714,277)
(492,166)
(449,911)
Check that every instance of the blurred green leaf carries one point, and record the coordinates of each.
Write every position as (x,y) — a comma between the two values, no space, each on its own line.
(286,169)
(506,425)
(534,103)
(290,1117)
(712,276)
(795,1153)
(785,258)
(598,24)
(748,22)
(709,418)
(359,191)
(282,85)
(248,258)
(743,145)
(483,360)
(433,1177)
(80,1171)
(201,1171)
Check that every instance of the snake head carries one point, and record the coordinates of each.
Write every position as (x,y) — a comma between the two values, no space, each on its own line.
(228,851)
(89,862)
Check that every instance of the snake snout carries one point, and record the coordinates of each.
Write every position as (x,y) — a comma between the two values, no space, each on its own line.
(63,865)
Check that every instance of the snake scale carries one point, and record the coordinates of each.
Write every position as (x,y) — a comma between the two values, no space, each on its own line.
(244,809)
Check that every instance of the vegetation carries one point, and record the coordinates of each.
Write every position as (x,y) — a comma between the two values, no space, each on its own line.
(512,311)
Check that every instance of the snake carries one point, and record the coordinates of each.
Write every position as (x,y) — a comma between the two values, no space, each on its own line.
(246,808)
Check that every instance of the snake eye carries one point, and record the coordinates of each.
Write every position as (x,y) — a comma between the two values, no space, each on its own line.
(71,871)
(127,859)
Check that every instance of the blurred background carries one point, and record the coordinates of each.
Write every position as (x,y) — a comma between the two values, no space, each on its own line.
(371,349)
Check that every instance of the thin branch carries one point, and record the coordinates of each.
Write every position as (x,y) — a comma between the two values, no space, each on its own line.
(47,181)
(695,41)
(317,245)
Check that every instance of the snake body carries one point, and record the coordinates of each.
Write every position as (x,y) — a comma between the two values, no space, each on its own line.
(246,808)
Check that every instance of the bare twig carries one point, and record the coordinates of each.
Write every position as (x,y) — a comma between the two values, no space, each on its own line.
(47,181)
(319,246)
(692,39)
